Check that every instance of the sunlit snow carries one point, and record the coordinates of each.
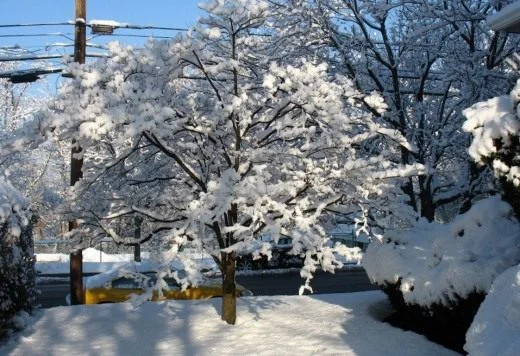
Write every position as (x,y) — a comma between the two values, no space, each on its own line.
(334,324)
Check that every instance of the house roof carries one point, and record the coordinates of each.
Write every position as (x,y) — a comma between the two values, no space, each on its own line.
(507,19)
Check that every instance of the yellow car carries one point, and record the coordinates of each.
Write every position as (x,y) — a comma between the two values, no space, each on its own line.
(121,290)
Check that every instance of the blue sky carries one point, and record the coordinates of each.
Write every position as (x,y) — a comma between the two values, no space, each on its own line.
(167,13)
(160,13)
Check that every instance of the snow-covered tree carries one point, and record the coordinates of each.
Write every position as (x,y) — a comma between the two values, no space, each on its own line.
(495,125)
(36,171)
(215,141)
(17,274)
(16,105)
(429,60)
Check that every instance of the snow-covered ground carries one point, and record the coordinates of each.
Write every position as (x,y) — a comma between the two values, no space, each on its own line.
(496,327)
(334,324)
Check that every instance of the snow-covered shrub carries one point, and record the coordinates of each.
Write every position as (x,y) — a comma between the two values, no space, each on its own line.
(442,272)
(496,327)
(495,125)
(17,277)
(436,263)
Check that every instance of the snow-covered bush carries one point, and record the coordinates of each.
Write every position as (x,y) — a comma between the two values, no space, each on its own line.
(437,263)
(17,277)
(438,274)
(496,327)
(495,125)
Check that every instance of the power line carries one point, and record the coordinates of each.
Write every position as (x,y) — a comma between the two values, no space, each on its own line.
(45,56)
(118,25)
(21,73)
(12,47)
(51,34)
(107,28)
(25,48)
(68,36)
(132,35)
(148,27)
(38,24)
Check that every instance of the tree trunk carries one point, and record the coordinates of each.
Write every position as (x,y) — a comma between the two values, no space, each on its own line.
(137,237)
(475,173)
(229,301)
(511,194)
(425,194)
(407,188)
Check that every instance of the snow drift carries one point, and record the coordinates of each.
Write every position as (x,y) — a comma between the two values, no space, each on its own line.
(496,327)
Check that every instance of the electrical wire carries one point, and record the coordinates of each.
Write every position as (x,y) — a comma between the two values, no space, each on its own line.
(38,24)
(132,35)
(121,25)
(52,34)
(17,53)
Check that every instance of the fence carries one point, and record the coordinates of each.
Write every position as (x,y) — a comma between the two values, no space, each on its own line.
(105,246)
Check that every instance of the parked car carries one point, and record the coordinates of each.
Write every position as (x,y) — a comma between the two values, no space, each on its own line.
(121,289)
(346,235)
(280,257)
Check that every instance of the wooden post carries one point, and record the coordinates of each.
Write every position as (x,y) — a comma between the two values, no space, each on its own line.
(76,162)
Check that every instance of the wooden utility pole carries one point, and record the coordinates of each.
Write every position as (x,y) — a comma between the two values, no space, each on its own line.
(76,159)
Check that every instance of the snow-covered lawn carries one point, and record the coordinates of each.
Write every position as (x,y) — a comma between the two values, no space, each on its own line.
(331,324)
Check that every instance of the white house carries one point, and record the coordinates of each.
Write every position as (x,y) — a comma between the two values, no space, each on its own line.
(507,19)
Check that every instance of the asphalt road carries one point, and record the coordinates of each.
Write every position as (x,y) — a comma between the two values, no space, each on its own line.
(52,295)
(288,283)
